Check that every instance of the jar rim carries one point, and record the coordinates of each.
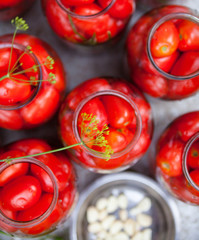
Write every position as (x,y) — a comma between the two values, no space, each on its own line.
(138,123)
(103,11)
(187,147)
(31,223)
(40,76)
(170,16)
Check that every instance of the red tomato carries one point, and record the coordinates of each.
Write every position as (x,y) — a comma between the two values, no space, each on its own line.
(21,193)
(13,92)
(37,210)
(120,113)
(46,102)
(121,8)
(27,62)
(165,40)
(187,125)
(116,140)
(166,63)
(59,22)
(61,173)
(180,189)
(11,119)
(141,146)
(169,158)
(14,170)
(99,27)
(195,177)
(144,110)
(121,86)
(76,2)
(193,156)
(5,57)
(189,35)
(10,3)
(129,135)
(67,130)
(10,214)
(30,146)
(156,86)
(67,197)
(85,89)
(96,108)
(186,64)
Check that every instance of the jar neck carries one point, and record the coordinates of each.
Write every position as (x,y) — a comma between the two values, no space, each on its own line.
(134,108)
(37,220)
(85,17)
(39,71)
(185,169)
(168,17)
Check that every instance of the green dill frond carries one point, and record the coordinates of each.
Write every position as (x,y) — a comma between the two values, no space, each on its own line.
(20,24)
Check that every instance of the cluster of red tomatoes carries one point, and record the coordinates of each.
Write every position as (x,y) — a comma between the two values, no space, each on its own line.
(174,48)
(78,27)
(28,99)
(27,189)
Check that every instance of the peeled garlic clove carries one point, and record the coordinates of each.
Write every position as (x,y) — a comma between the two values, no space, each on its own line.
(122,201)
(107,222)
(147,234)
(102,234)
(138,236)
(144,220)
(94,227)
(112,204)
(92,214)
(101,204)
(145,204)
(130,227)
(116,227)
(123,215)
(121,236)
(134,211)
(102,215)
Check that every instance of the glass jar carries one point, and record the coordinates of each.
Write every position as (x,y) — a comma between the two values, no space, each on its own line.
(12,8)
(89,23)
(126,112)
(37,194)
(168,65)
(177,158)
(28,103)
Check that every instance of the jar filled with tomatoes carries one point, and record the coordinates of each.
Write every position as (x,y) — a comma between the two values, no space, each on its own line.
(178,158)
(88,22)
(36,194)
(163,52)
(12,8)
(32,82)
(116,104)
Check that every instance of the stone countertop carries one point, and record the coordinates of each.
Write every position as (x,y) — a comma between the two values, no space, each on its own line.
(82,66)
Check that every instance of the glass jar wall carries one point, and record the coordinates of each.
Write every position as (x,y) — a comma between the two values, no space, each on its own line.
(37,194)
(28,98)
(163,52)
(177,158)
(116,103)
(90,22)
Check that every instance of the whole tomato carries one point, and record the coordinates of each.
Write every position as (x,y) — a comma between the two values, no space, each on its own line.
(120,112)
(189,36)
(21,193)
(14,170)
(165,40)
(169,158)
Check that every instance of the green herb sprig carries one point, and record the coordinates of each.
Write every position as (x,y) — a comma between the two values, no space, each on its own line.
(90,132)
(20,24)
